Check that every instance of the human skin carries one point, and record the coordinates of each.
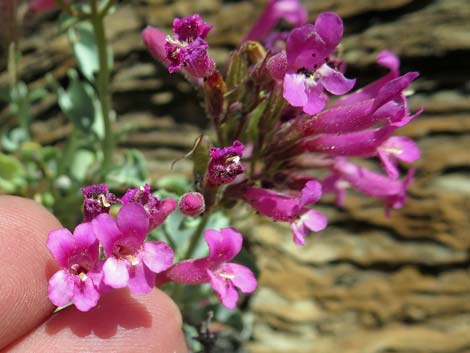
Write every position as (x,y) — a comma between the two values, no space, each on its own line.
(119,323)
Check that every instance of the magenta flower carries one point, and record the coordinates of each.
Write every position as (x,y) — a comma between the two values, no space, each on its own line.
(386,59)
(393,192)
(290,209)
(130,262)
(308,50)
(291,11)
(224,164)
(186,49)
(98,200)
(158,210)
(224,276)
(360,144)
(386,105)
(192,204)
(397,148)
(77,254)
(188,29)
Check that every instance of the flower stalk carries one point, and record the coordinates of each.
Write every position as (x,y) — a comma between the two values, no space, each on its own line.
(103,87)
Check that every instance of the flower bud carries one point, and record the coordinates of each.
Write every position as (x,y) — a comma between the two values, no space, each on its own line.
(192,204)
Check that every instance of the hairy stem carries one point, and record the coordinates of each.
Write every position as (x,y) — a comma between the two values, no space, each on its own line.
(193,240)
(103,88)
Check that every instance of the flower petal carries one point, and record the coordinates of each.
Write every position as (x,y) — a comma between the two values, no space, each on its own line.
(389,164)
(311,193)
(316,99)
(115,272)
(334,81)
(189,271)
(224,290)
(106,231)
(360,144)
(306,49)
(133,221)
(314,220)
(223,245)
(243,279)
(157,256)
(85,239)
(299,232)
(272,204)
(389,60)
(310,221)
(330,28)
(61,287)
(294,89)
(61,244)
(403,148)
(85,295)
(141,279)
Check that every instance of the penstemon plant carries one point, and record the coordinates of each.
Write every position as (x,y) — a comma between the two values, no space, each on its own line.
(287,129)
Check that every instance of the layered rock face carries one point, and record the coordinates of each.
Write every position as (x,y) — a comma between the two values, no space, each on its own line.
(367,284)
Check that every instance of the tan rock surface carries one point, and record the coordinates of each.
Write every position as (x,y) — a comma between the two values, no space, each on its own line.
(368,284)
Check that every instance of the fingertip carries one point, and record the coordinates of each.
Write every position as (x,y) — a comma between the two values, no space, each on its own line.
(26,266)
(119,323)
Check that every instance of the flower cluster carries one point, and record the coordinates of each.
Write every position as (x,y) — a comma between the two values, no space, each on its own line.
(127,259)
(186,49)
(289,118)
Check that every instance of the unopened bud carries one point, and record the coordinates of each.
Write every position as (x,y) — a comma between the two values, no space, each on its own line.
(192,204)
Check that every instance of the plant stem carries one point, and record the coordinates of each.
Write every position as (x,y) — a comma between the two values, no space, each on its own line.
(193,240)
(69,10)
(107,7)
(103,88)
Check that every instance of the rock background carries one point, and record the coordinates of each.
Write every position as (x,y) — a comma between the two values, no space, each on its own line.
(367,284)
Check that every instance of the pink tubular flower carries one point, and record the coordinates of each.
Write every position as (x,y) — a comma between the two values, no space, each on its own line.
(386,105)
(290,11)
(397,148)
(158,210)
(224,164)
(77,254)
(308,50)
(192,204)
(393,192)
(216,269)
(130,262)
(98,200)
(290,209)
(386,59)
(185,50)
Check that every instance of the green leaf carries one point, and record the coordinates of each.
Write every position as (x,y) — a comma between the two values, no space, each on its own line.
(131,173)
(237,69)
(254,119)
(200,157)
(81,164)
(11,173)
(77,102)
(5,94)
(176,184)
(13,139)
(82,38)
